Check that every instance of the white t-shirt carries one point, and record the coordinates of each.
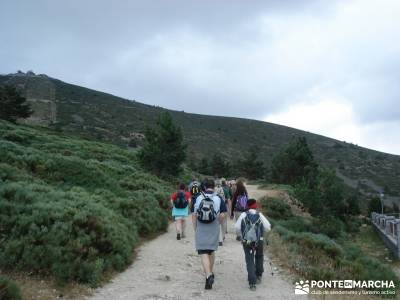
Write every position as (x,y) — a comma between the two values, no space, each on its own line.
(264,221)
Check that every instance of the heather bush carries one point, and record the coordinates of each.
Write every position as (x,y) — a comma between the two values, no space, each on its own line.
(276,208)
(330,226)
(9,290)
(322,248)
(73,208)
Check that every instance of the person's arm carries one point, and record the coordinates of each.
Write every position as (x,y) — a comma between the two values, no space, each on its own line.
(173,197)
(222,210)
(194,221)
(194,215)
(265,222)
(238,224)
(233,203)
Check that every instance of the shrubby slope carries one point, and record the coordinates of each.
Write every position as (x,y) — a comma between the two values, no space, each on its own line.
(103,116)
(71,207)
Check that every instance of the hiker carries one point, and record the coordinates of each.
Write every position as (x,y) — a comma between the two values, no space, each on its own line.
(208,212)
(232,188)
(219,190)
(194,189)
(180,201)
(228,196)
(239,202)
(252,224)
(202,185)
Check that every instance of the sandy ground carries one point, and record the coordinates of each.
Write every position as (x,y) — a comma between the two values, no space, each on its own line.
(169,269)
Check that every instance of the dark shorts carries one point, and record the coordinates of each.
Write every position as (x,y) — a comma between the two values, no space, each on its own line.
(206,251)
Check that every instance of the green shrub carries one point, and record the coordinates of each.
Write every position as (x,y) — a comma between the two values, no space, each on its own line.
(329,225)
(9,289)
(297,224)
(73,208)
(15,136)
(311,241)
(65,232)
(276,208)
(353,224)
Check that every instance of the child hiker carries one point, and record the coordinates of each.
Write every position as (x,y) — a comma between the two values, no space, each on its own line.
(252,224)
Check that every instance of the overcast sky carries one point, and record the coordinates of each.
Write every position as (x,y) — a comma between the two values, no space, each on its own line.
(329,67)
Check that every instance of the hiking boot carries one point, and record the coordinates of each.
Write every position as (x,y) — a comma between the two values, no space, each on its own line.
(220,244)
(209,282)
(258,280)
(213,277)
(238,238)
(178,236)
(253,287)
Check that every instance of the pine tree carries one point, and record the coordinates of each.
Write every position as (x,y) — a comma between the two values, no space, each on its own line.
(204,166)
(12,105)
(217,165)
(252,168)
(295,164)
(164,151)
(375,205)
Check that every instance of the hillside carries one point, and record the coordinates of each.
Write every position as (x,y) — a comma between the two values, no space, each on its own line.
(71,208)
(102,116)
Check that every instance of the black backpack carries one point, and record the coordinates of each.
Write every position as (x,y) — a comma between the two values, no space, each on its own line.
(181,201)
(206,212)
(195,190)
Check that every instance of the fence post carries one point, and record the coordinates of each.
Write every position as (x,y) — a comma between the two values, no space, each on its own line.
(387,229)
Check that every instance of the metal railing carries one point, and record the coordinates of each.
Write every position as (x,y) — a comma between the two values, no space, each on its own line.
(388,227)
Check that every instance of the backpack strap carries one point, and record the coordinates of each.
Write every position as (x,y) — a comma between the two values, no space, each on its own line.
(256,214)
(204,195)
(246,219)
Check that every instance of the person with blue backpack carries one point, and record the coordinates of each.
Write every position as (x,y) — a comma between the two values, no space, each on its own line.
(180,201)
(208,213)
(239,202)
(252,225)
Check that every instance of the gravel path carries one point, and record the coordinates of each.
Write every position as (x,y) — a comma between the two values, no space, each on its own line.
(169,269)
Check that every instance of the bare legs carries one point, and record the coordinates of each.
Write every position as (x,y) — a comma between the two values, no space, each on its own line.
(224,227)
(180,225)
(183,227)
(207,260)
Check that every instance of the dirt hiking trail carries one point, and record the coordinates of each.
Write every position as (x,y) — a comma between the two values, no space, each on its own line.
(169,269)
